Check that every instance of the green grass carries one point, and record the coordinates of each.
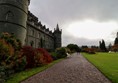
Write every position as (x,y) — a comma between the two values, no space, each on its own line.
(107,63)
(18,77)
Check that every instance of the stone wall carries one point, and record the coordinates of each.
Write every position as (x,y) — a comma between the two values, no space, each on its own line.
(38,35)
(13,17)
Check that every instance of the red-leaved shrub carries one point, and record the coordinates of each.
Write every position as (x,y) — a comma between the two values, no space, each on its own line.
(90,50)
(28,51)
(46,57)
(36,57)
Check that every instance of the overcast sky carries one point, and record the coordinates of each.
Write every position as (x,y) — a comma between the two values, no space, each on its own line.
(84,22)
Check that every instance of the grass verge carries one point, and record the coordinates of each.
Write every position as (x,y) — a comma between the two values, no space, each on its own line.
(107,63)
(18,77)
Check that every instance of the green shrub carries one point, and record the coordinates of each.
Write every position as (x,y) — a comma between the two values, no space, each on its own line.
(6,54)
(11,58)
(10,39)
(61,52)
(54,55)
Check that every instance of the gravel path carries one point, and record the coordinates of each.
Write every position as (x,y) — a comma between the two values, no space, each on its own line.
(73,69)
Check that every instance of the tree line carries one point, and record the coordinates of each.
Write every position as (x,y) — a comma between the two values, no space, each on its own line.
(92,49)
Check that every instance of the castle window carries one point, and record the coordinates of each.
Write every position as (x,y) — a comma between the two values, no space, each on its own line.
(38,44)
(38,35)
(31,43)
(9,16)
(32,32)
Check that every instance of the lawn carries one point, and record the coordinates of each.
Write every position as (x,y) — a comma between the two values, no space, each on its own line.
(18,77)
(107,63)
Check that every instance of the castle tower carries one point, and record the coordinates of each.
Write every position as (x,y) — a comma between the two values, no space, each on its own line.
(117,35)
(13,17)
(57,37)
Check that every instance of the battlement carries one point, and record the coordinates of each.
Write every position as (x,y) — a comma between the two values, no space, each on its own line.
(33,20)
(15,18)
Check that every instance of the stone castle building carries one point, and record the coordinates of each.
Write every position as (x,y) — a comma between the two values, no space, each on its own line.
(16,19)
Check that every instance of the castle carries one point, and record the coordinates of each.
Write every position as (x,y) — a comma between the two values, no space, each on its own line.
(16,19)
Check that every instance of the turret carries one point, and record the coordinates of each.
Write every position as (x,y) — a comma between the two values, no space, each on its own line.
(57,37)
(13,17)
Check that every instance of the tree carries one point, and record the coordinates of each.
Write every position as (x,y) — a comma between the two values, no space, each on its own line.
(84,48)
(96,48)
(116,41)
(74,47)
(102,46)
(114,48)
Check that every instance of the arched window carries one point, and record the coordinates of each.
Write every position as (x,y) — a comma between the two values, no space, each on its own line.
(31,32)
(9,16)
(31,43)
(39,45)
(38,35)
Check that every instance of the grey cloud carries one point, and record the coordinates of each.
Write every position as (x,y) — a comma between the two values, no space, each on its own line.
(113,34)
(67,39)
(51,12)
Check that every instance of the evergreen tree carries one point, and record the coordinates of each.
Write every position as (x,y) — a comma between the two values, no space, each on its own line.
(116,41)
(102,46)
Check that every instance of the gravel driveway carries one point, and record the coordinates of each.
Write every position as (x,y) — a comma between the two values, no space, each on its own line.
(73,69)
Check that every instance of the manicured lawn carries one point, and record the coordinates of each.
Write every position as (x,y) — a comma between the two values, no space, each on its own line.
(107,63)
(18,77)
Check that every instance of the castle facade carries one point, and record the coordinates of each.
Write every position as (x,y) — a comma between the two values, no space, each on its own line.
(16,19)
